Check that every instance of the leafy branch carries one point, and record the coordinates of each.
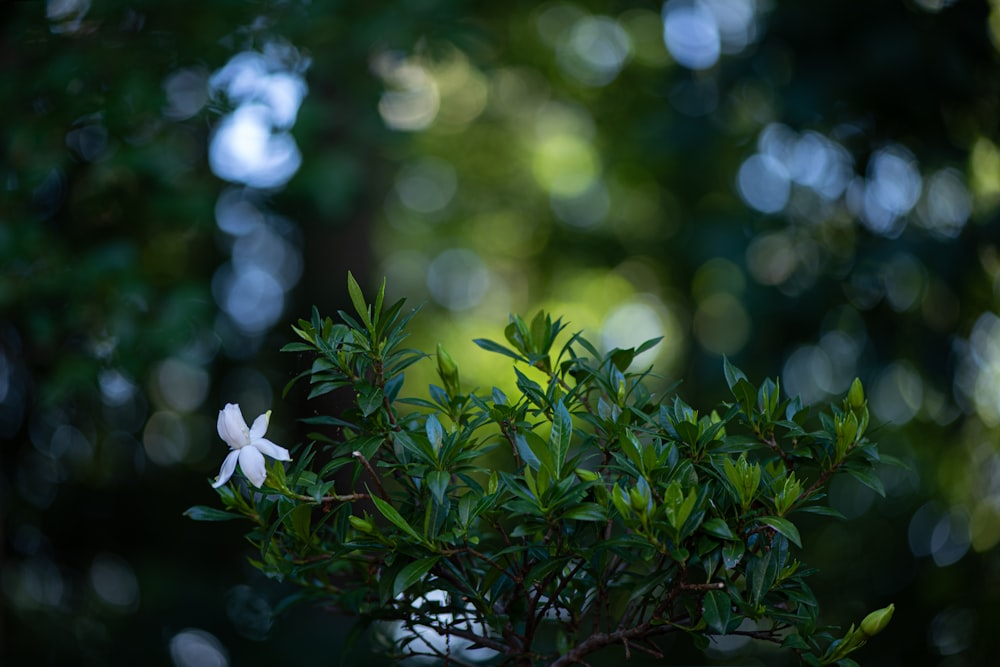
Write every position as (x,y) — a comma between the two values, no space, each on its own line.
(580,513)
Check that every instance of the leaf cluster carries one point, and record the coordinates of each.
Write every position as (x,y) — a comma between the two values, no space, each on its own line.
(583,512)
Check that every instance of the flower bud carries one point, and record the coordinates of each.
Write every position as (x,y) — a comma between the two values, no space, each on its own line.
(876,621)
(587,475)
(637,499)
(447,370)
(856,395)
(361,525)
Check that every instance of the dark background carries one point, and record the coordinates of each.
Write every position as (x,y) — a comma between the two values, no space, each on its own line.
(817,201)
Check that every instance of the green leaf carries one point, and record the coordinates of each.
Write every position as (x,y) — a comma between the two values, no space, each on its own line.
(380,297)
(771,396)
(437,482)
(633,450)
(746,394)
(526,452)
(390,513)
(868,478)
(412,574)
(490,346)
(586,512)
(732,553)
(732,373)
(358,299)
(794,641)
(369,399)
(648,345)
(435,515)
(821,510)
(302,521)
(559,437)
(783,526)
(204,513)
(716,609)
(761,573)
(499,398)
(435,433)
(622,359)
(719,528)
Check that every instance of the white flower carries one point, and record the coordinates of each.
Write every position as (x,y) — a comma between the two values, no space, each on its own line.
(248,444)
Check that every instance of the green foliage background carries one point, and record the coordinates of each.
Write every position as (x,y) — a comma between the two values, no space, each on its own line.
(115,353)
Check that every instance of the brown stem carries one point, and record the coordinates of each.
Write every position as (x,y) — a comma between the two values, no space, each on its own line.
(773,445)
(713,586)
(569,390)
(380,383)
(559,589)
(473,637)
(333,498)
(495,565)
(601,639)
(509,431)
(651,650)
(371,471)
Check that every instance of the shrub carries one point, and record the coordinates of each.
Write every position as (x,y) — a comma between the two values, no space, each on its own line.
(582,512)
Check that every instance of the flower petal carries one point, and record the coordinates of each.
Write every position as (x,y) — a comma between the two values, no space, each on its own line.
(232,427)
(260,426)
(252,465)
(228,466)
(270,449)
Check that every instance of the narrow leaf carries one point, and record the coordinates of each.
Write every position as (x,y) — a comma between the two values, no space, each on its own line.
(412,574)
(732,373)
(390,513)
(499,398)
(369,399)
(437,482)
(559,438)
(435,433)
(719,528)
(490,346)
(587,512)
(783,526)
(205,513)
(358,299)
(822,510)
(526,453)
(868,478)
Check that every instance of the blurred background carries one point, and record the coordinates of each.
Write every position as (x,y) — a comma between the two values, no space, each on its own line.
(809,188)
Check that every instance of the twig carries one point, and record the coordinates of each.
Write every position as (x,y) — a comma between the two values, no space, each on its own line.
(559,589)
(602,639)
(712,586)
(651,650)
(333,498)
(371,471)
(773,445)
(509,431)
(472,637)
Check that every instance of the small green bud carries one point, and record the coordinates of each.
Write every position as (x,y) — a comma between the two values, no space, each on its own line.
(447,371)
(876,621)
(847,434)
(361,525)
(276,475)
(636,499)
(620,499)
(587,475)
(787,495)
(856,395)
